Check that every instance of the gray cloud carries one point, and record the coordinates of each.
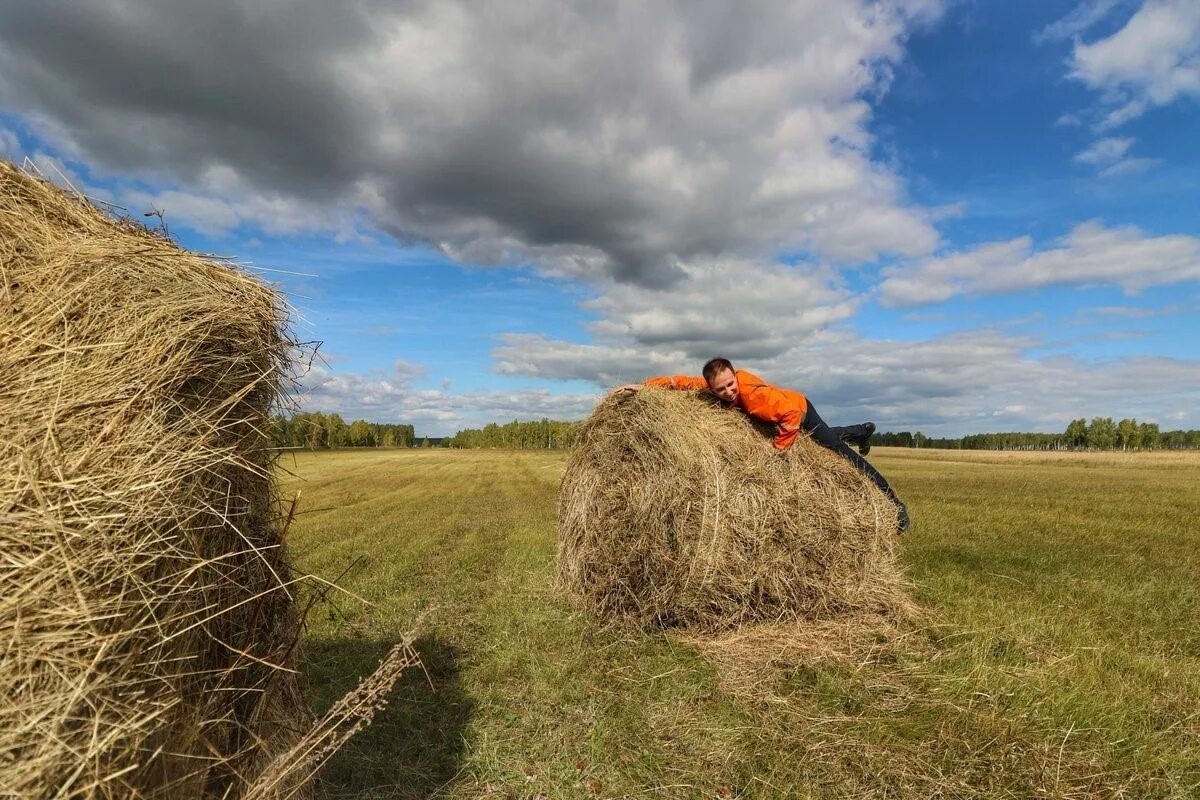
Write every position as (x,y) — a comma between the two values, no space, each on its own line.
(742,309)
(594,139)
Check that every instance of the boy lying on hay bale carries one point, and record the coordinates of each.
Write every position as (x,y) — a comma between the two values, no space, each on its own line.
(786,408)
(676,511)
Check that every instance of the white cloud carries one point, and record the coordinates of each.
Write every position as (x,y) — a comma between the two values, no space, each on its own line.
(1110,157)
(962,383)
(1152,61)
(608,365)
(1129,166)
(434,412)
(207,214)
(1079,20)
(734,308)
(1105,152)
(10,145)
(1090,254)
(223,202)
(1130,312)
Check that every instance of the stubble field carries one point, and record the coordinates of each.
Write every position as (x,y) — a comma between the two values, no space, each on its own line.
(1058,653)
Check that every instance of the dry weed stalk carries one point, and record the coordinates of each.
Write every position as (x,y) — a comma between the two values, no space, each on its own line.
(674,511)
(291,771)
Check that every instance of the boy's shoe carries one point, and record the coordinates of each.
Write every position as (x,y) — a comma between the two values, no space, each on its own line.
(903,522)
(864,444)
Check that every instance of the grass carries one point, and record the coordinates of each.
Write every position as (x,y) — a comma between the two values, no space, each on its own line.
(1059,655)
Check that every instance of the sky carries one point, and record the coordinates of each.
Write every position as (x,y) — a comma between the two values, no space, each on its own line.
(952,217)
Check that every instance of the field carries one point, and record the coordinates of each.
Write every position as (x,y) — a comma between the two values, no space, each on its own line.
(1058,654)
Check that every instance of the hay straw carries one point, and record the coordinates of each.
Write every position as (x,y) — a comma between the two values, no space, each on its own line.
(675,511)
(146,600)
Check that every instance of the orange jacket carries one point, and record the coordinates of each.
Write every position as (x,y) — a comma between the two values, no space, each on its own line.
(783,407)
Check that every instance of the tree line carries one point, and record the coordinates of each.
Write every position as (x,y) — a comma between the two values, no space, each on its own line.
(542,434)
(317,430)
(1102,433)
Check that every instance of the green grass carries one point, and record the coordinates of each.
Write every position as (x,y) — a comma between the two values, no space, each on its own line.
(1059,657)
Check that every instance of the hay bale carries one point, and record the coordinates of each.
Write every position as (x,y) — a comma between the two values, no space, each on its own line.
(144,600)
(675,511)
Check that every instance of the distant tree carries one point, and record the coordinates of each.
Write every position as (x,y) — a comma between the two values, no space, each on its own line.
(1102,433)
(919,439)
(1127,434)
(315,431)
(1150,438)
(1077,433)
(336,431)
(360,434)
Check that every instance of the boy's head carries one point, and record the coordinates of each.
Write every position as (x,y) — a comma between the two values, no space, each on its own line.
(722,381)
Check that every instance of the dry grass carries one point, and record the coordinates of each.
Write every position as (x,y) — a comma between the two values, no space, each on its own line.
(1057,658)
(146,600)
(752,660)
(1091,458)
(674,511)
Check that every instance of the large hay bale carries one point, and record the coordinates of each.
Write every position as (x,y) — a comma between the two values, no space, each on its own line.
(144,602)
(675,511)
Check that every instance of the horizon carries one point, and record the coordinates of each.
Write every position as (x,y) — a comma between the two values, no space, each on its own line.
(944,217)
(418,434)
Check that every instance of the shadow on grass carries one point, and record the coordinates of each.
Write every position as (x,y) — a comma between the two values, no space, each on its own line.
(413,748)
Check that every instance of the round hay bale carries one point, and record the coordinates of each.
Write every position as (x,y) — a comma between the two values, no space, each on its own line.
(675,511)
(145,605)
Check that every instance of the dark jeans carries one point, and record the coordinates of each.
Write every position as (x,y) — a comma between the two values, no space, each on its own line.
(831,438)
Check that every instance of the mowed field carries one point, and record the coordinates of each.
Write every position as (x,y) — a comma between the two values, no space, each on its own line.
(1058,653)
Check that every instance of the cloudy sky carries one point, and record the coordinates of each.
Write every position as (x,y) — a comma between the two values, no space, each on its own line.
(944,216)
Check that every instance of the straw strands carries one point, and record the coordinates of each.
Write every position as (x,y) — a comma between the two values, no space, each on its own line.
(675,511)
(147,608)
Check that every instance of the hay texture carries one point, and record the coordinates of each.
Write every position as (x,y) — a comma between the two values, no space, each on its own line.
(147,622)
(675,511)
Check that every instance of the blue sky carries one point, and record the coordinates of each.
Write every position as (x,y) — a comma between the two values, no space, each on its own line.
(952,217)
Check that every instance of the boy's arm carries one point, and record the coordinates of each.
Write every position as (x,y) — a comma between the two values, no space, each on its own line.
(681,382)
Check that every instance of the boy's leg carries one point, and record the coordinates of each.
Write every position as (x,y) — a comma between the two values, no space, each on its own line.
(858,435)
(851,433)
(827,437)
